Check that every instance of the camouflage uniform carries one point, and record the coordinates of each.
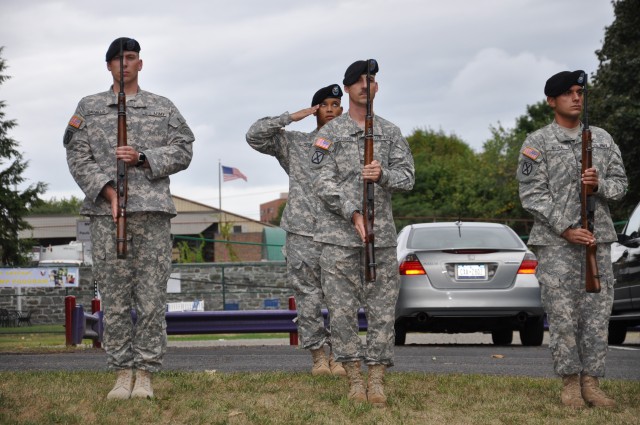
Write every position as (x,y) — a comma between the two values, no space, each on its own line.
(339,154)
(291,149)
(549,172)
(155,127)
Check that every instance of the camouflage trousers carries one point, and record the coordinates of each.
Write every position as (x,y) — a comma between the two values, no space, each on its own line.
(578,321)
(346,291)
(303,274)
(138,283)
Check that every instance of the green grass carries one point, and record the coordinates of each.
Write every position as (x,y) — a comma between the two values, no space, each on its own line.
(286,398)
(299,398)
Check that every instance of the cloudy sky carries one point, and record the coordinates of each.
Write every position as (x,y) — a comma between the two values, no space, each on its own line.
(459,66)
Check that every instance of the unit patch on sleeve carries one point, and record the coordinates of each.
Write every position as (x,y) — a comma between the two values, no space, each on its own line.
(530,152)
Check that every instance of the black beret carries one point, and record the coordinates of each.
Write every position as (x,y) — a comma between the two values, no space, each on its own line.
(562,81)
(356,69)
(330,91)
(128,44)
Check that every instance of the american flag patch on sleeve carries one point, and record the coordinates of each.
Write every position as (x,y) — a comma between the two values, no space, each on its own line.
(322,143)
(75,121)
(530,152)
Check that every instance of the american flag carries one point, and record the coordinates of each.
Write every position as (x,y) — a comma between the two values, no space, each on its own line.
(232,173)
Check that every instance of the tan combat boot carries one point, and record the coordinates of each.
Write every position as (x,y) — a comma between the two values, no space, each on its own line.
(320,364)
(375,386)
(336,367)
(592,393)
(356,384)
(142,388)
(124,383)
(571,395)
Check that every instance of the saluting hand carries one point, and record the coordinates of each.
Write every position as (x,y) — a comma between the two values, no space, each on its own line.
(303,113)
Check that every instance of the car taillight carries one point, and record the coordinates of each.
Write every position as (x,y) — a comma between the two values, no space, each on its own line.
(528,265)
(411,266)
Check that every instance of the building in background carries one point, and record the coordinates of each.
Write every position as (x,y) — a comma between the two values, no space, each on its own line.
(269,210)
(198,231)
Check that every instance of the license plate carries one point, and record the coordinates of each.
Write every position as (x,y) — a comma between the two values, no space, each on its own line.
(471,271)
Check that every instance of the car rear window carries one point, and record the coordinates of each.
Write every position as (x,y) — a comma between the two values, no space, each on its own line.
(455,237)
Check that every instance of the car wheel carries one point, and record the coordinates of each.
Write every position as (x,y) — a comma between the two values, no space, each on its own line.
(532,333)
(617,333)
(401,334)
(502,337)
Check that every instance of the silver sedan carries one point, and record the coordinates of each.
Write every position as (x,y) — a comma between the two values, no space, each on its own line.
(468,277)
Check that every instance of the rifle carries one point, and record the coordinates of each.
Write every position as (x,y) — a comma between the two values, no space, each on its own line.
(587,203)
(121,183)
(368,198)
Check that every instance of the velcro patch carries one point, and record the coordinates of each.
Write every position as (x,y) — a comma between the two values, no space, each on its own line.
(75,121)
(530,152)
(322,143)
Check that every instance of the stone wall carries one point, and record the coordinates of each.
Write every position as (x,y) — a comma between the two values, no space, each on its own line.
(243,286)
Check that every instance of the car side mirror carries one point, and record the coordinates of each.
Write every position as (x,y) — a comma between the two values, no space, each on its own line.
(632,243)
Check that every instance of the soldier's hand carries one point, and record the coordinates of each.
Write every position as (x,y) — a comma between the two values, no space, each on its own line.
(127,154)
(358,221)
(372,171)
(579,236)
(590,178)
(303,113)
(109,193)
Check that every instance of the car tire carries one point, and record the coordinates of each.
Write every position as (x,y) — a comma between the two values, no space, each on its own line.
(502,337)
(532,333)
(617,333)
(401,334)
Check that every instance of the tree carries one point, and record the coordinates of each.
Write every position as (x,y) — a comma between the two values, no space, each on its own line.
(445,185)
(14,204)
(54,206)
(499,161)
(614,101)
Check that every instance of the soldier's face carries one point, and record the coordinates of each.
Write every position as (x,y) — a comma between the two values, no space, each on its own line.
(358,90)
(569,103)
(328,110)
(132,64)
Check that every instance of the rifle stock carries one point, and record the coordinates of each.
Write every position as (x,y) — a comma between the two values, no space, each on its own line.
(368,190)
(121,183)
(592,275)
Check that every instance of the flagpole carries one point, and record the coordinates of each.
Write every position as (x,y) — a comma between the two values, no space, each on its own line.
(219,196)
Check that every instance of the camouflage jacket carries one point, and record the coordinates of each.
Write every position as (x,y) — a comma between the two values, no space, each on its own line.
(291,149)
(338,152)
(154,126)
(549,170)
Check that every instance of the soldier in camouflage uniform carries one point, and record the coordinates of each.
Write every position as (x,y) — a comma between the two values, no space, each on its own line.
(338,153)
(549,175)
(159,144)
(291,149)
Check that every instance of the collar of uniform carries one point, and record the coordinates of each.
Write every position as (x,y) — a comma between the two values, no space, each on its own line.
(377,128)
(136,102)
(558,131)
